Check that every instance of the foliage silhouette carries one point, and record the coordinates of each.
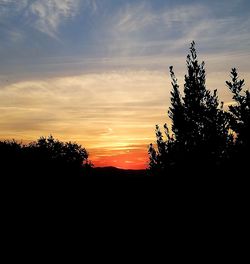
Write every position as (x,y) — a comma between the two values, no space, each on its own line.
(202,138)
(240,111)
(46,157)
(239,114)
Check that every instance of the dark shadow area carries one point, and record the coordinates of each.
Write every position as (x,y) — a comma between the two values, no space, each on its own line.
(114,173)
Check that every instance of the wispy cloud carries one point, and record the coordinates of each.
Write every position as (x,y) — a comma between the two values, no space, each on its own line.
(100,109)
(48,15)
(135,17)
(141,29)
(133,28)
(45,15)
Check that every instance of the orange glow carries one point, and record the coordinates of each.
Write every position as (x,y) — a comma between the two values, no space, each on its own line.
(127,159)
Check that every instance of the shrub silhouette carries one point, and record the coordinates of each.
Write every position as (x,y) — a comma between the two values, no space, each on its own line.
(201,136)
(45,157)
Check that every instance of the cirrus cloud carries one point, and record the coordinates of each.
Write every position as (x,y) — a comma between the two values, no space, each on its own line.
(50,14)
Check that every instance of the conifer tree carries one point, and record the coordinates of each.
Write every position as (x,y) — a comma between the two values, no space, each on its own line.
(199,124)
(176,111)
(240,111)
(206,122)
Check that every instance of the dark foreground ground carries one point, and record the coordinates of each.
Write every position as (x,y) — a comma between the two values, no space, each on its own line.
(106,191)
(116,174)
(110,180)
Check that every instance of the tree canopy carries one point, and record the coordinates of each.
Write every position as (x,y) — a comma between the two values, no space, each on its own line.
(45,157)
(202,132)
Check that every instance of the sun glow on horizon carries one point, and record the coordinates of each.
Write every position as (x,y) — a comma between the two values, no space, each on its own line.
(129,159)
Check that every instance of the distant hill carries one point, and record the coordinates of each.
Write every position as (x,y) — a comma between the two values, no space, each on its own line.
(116,173)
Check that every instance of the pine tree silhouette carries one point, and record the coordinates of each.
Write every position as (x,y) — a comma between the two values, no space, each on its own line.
(199,123)
(240,111)
(240,124)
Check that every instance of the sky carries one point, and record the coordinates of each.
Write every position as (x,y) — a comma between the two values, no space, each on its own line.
(96,71)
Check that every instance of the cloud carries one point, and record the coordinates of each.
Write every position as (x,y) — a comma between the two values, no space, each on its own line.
(135,17)
(138,17)
(101,29)
(44,15)
(139,28)
(95,109)
(48,15)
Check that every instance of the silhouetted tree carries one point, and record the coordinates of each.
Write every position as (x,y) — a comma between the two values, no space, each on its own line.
(205,121)
(240,111)
(240,124)
(177,110)
(162,158)
(199,124)
(46,157)
(10,157)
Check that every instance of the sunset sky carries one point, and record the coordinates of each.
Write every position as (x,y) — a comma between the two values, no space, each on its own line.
(96,71)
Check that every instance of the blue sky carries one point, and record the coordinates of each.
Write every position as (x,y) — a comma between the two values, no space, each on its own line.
(86,33)
(96,71)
